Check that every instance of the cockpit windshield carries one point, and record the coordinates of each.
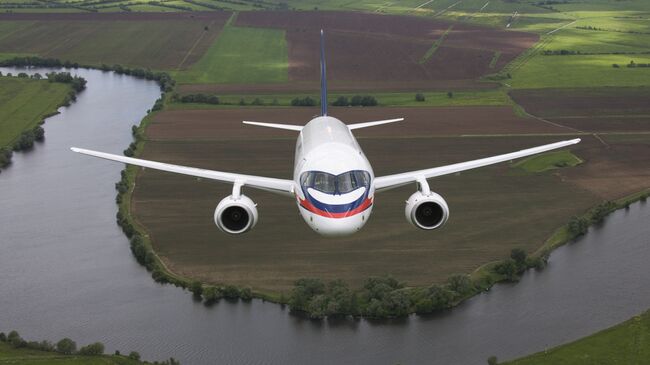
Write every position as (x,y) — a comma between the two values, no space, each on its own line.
(335,184)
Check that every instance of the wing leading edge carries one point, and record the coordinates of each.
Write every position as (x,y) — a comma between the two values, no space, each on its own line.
(393,181)
(281,186)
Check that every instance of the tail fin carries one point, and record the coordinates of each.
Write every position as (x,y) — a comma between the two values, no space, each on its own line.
(323,78)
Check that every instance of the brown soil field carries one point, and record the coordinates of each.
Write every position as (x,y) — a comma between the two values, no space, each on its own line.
(177,211)
(226,124)
(337,86)
(365,47)
(153,40)
(590,110)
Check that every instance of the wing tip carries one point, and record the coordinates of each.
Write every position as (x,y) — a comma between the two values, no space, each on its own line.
(75,149)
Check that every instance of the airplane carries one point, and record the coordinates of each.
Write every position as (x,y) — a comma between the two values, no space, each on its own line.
(333,182)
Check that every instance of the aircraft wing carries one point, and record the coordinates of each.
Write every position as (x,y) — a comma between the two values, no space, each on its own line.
(281,186)
(393,181)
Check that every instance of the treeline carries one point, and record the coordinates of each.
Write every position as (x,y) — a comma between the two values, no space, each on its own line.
(162,78)
(579,225)
(379,297)
(386,297)
(356,100)
(26,139)
(67,346)
(200,98)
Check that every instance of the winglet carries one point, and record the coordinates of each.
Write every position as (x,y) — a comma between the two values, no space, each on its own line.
(323,78)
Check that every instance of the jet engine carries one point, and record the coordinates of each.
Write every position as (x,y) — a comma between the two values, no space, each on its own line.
(236,215)
(426,211)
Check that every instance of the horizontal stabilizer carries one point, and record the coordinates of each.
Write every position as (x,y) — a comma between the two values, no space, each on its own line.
(372,124)
(290,127)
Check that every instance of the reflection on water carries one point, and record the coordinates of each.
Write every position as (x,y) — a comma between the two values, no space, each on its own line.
(67,271)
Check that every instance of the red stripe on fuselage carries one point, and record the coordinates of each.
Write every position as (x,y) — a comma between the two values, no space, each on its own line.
(310,207)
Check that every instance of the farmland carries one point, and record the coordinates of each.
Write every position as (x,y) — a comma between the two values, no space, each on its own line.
(212,139)
(157,41)
(626,343)
(24,103)
(241,55)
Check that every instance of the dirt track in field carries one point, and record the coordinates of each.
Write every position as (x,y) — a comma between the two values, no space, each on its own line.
(368,47)
(177,211)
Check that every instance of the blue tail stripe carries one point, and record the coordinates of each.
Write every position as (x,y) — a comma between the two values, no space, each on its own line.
(323,78)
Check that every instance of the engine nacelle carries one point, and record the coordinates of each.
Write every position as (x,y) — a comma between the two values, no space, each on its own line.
(426,211)
(236,215)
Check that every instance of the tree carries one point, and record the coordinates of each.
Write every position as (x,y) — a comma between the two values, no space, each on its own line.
(196,288)
(492,360)
(578,226)
(507,268)
(419,97)
(94,349)
(441,297)
(450,94)
(461,284)
(519,256)
(14,339)
(133,355)
(303,291)
(66,346)
(212,294)
(341,101)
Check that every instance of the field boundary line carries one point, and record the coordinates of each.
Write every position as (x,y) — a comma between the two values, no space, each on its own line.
(601,140)
(196,43)
(423,4)
(562,27)
(447,8)
(434,47)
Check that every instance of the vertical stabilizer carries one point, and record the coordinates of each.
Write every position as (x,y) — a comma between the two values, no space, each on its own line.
(323,78)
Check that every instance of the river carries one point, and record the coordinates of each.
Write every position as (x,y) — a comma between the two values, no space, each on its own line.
(66,271)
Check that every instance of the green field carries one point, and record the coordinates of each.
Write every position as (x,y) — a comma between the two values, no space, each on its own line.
(580,71)
(241,55)
(548,161)
(627,343)
(24,103)
(10,355)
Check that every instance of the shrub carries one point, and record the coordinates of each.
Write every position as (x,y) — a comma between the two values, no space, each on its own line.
(66,346)
(134,356)
(461,284)
(341,101)
(492,360)
(419,97)
(94,349)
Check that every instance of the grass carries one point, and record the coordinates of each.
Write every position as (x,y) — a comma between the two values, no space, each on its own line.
(548,161)
(580,71)
(627,343)
(24,103)
(10,355)
(241,55)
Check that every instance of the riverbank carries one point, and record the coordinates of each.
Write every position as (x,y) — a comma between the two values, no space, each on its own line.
(626,343)
(25,103)
(16,350)
(321,298)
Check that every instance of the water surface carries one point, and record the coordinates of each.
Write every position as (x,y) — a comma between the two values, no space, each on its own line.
(66,271)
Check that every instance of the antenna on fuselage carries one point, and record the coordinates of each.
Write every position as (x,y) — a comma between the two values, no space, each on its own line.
(323,78)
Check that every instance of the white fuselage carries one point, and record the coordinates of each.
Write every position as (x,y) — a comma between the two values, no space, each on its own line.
(334,180)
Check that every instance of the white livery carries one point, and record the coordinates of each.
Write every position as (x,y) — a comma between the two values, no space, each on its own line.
(333,182)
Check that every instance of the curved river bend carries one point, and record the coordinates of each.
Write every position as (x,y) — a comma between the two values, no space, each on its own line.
(67,271)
